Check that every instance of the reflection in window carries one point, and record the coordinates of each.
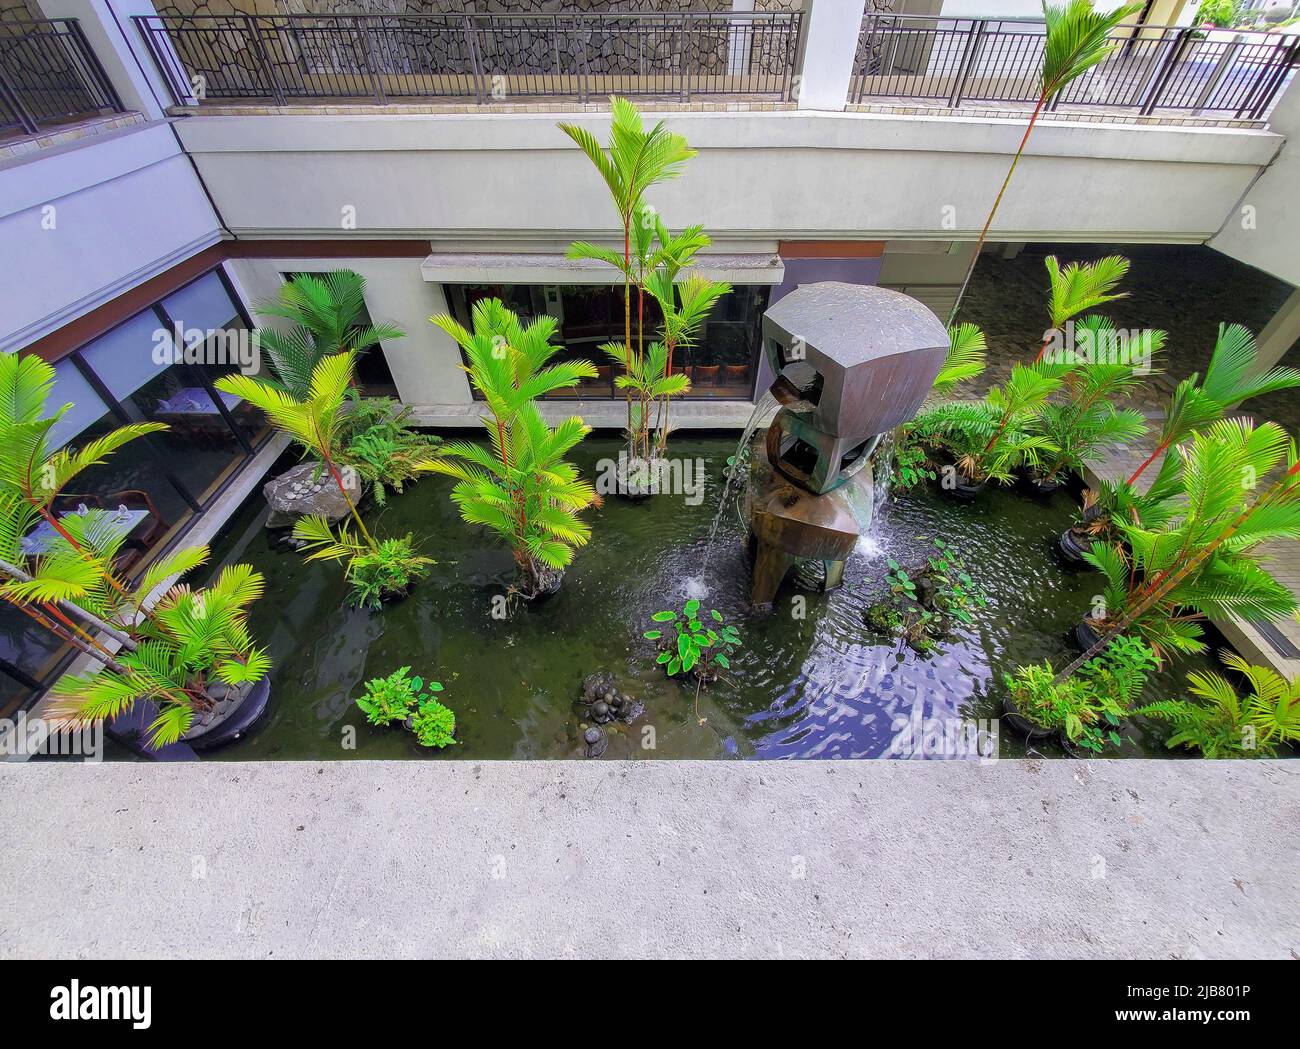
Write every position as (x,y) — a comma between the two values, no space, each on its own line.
(135,373)
(720,365)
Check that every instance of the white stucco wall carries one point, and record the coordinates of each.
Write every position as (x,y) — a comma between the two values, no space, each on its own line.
(759,176)
(83,223)
(425,363)
(1263,228)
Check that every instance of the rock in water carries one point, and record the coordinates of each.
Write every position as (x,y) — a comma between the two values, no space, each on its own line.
(596,741)
(293,495)
(594,686)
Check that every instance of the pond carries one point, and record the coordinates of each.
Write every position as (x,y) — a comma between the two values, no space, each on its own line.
(810,682)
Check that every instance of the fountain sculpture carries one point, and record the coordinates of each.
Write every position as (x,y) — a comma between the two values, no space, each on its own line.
(852,362)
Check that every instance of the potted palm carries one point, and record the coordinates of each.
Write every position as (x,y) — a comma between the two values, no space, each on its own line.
(1231,377)
(194,668)
(987,440)
(520,486)
(1221,723)
(377,570)
(1161,583)
(634,160)
(1083,711)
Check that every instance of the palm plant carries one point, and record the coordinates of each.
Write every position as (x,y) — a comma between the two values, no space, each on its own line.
(988,439)
(29,466)
(324,313)
(1203,562)
(520,487)
(1077,38)
(1230,378)
(377,570)
(1088,420)
(633,161)
(1224,724)
(193,640)
(647,373)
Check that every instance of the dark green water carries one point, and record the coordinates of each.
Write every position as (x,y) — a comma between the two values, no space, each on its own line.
(821,686)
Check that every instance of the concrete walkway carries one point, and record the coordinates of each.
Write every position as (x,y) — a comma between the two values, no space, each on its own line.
(1159,859)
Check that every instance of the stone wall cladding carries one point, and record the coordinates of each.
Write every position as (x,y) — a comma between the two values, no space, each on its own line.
(435,56)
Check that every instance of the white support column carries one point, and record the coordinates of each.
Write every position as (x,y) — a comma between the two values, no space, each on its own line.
(740,40)
(1279,334)
(830,41)
(119,47)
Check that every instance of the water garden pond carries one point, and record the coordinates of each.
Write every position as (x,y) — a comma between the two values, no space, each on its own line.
(811,680)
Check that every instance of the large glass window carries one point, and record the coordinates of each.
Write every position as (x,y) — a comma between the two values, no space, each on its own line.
(156,366)
(721,364)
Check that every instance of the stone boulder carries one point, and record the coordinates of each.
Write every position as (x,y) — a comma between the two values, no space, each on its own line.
(294,494)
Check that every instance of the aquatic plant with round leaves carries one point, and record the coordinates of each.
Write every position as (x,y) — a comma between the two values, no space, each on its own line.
(692,645)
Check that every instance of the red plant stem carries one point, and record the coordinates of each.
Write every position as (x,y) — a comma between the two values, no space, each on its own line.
(979,244)
(1175,576)
(1160,448)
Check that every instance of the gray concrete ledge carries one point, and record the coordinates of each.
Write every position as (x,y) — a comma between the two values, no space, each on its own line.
(1162,859)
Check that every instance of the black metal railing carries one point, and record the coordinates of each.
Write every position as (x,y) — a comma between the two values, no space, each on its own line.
(48,75)
(480,57)
(948,61)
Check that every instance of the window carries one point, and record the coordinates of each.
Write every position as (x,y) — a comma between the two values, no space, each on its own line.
(157,366)
(721,364)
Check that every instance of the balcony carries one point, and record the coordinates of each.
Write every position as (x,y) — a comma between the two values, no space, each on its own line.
(473,58)
(49,78)
(1156,73)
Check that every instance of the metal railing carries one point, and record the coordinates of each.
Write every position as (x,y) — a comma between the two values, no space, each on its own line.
(948,61)
(485,58)
(48,75)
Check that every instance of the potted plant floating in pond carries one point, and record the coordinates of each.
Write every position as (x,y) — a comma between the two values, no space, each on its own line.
(520,487)
(1084,710)
(404,698)
(694,646)
(378,570)
(924,602)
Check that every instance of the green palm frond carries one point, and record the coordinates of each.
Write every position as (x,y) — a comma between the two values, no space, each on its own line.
(965,359)
(1077,38)
(1082,286)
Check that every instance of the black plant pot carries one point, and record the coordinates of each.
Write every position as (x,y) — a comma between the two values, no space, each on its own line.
(1043,487)
(1085,636)
(964,490)
(250,708)
(1011,713)
(1073,548)
(1073,749)
(548,583)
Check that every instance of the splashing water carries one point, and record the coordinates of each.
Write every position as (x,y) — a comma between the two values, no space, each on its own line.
(882,467)
(737,470)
